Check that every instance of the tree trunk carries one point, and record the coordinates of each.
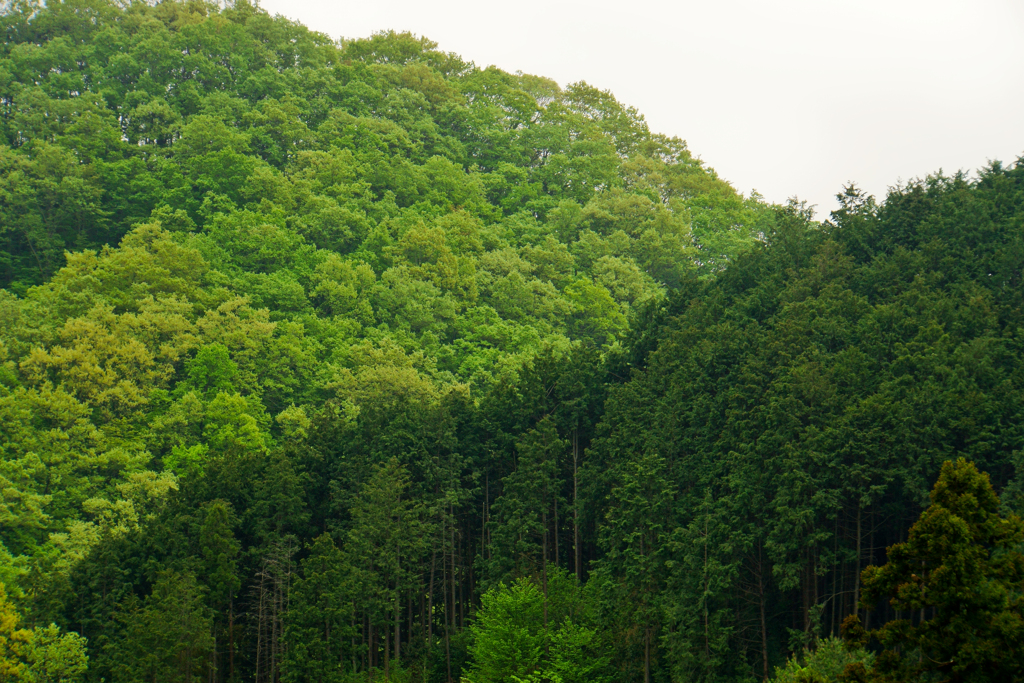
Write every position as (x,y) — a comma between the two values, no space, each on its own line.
(461,583)
(577,556)
(556,531)
(430,600)
(544,569)
(761,605)
(231,638)
(398,618)
(449,612)
(647,654)
(856,576)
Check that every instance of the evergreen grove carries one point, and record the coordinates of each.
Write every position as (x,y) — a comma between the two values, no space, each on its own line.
(336,361)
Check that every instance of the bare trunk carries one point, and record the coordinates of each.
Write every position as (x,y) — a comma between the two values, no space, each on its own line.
(761,605)
(576,505)
(647,654)
(484,552)
(856,576)
(556,531)
(231,638)
(544,569)
(430,599)
(871,559)
(398,619)
(398,633)
(372,652)
(461,584)
(449,612)
(707,637)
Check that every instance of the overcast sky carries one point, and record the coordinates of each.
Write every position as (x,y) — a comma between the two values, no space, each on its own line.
(788,97)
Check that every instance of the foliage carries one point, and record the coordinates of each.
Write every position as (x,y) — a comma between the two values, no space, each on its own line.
(957,579)
(511,641)
(39,655)
(331,360)
(826,662)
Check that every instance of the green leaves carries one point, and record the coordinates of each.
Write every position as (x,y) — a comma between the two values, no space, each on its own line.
(41,654)
(511,642)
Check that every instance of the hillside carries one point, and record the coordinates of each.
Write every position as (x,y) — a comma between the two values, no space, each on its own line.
(334,361)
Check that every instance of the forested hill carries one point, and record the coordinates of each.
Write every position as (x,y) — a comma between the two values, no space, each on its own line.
(346,361)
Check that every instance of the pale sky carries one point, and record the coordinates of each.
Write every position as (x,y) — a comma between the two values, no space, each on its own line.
(791,97)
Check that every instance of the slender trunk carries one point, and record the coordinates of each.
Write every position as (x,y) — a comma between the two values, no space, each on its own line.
(398,617)
(576,505)
(842,591)
(647,654)
(430,600)
(449,617)
(259,627)
(814,578)
(833,621)
(487,516)
(231,638)
(544,570)
(556,531)
(856,576)
(471,583)
(761,605)
(806,592)
(398,632)
(871,559)
(704,598)
(387,656)
(461,583)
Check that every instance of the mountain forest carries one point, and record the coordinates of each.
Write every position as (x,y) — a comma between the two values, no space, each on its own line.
(337,361)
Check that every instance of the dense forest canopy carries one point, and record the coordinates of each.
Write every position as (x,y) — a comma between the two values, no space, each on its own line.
(330,361)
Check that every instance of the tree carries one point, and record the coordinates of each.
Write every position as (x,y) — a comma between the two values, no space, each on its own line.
(508,635)
(219,549)
(636,550)
(527,506)
(169,636)
(39,655)
(319,623)
(511,641)
(387,538)
(957,583)
(55,657)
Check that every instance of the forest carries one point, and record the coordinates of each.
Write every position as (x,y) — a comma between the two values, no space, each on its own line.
(338,361)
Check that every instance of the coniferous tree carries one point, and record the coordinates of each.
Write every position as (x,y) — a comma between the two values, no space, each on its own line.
(168,636)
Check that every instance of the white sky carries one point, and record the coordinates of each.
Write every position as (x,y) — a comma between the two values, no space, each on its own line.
(788,97)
